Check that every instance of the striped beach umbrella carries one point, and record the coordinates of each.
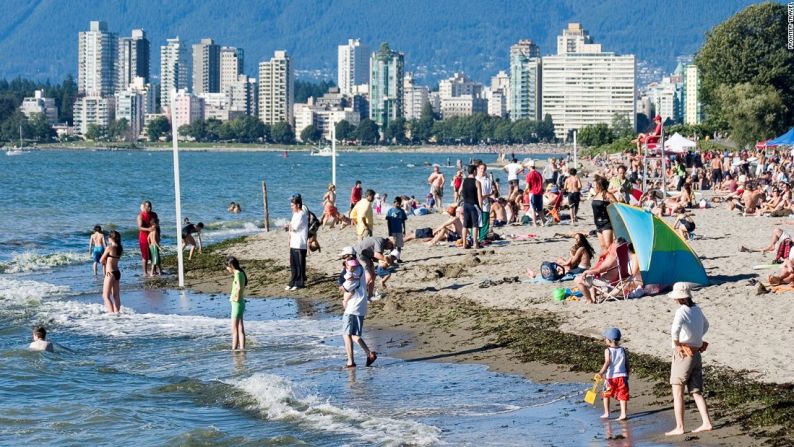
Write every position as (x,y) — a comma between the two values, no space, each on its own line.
(665,258)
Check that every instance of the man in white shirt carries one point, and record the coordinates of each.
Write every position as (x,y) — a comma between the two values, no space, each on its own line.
(689,327)
(513,169)
(298,236)
(356,305)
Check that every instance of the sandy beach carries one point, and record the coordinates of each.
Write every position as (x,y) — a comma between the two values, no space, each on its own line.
(436,298)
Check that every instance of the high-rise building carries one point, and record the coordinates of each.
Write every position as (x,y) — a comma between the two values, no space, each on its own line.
(583,85)
(664,98)
(134,103)
(243,94)
(502,82)
(174,70)
(386,85)
(187,108)
(38,103)
(206,67)
(353,65)
(276,89)
(693,109)
(96,60)
(414,98)
(497,103)
(232,66)
(132,60)
(525,81)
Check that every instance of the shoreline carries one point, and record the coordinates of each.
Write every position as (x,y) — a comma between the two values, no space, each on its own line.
(421,149)
(419,324)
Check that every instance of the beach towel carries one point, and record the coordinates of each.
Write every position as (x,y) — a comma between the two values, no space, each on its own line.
(783,288)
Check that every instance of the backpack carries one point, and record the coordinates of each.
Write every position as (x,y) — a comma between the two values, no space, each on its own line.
(314,223)
(423,233)
(551,271)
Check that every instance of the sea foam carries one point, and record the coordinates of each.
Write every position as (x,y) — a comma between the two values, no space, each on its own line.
(32,261)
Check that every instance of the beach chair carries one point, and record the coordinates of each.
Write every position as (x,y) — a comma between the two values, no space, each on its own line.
(553,213)
(621,287)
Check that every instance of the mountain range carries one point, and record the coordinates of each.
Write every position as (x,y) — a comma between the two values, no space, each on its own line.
(38,38)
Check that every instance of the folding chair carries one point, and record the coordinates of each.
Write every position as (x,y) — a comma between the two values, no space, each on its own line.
(553,213)
(620,288)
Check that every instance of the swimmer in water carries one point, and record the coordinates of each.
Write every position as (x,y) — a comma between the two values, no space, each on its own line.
(96,245)
(40,342)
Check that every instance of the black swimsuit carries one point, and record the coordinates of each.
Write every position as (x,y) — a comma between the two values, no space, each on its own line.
(116,274)
(600,215)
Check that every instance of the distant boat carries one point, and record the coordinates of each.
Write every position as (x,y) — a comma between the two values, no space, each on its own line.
(14,151)
(324,152)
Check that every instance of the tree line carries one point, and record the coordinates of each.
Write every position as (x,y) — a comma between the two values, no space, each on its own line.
(36,128)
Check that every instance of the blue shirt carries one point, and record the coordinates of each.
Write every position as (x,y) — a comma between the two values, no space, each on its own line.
(395,220)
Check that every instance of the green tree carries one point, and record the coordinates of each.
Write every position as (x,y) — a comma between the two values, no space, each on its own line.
(158,127)
(524,131)
(422,130)
(503,133)
(311,134)
(305,89)
(395,131)
(96,132)
(546,129)
(595,135)
(40,129)
(750,47)
(119,130)
(212,129)
(345,130)
(621,126)
(282,133)
(367,132)
(756,112)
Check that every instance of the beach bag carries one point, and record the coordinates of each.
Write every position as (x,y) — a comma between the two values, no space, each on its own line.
(551,271)
(423,233)
(421,212)
(525,220)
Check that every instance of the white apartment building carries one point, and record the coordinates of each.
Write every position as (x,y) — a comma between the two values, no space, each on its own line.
(663,97)
(96,71)
(414,98)
(243,94)
(322,117)
(174,70)
(276,89)
(352,65)
(460,96)
(132,60)
(583,85)
(497,102)
(304,116)
(39,104)
(96,110)
(502,82)
(693,109)
(218,106)
(458,85)
(232,65)
(206,67)
(186,108)
(134,103)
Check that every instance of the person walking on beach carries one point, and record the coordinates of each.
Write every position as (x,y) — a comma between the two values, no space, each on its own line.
(456,182)
(144,227)
(600,202)
(471,193)
(96,246)
(111,294)
(573,186)
(355,303)
(395,221)
(355,194)
(362,215)
(687,331)
(436,182)
(237,300)
(615,372)
(513,169)
(298,240)
(535,188)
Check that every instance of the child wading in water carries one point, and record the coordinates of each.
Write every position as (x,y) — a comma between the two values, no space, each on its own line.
(111,294)
(96,246)
(236,298)
(154,247)
(616,373)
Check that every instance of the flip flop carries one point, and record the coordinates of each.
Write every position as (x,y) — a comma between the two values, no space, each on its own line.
(371,358)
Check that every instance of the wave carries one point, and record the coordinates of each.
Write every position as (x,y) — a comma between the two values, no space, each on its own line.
(31,261)
(19,292)
(275,398)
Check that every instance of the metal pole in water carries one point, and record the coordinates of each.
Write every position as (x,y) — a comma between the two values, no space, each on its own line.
(333,153)
(177,194)
(264,204)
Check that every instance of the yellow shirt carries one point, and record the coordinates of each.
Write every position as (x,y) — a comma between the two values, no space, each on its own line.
(362,216)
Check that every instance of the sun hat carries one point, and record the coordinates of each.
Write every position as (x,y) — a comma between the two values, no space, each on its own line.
(531,163)
(681,291)
(612,333)
(347,251)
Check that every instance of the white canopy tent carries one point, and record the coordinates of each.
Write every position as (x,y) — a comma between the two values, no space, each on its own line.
(678,144)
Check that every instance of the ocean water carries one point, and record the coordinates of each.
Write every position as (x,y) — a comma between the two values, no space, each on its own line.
(161,372)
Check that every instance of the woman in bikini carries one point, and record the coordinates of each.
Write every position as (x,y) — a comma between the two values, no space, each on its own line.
(582,254)
(110,259)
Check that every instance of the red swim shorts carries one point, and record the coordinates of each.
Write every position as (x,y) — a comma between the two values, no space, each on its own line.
(617,388)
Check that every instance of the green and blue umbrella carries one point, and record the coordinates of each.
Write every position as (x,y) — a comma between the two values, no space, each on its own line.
(665,258)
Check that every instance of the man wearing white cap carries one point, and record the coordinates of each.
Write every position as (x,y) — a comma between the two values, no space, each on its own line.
(689,326)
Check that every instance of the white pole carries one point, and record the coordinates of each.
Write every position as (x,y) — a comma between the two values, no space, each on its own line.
(333,153)
(177,194)
(575,152)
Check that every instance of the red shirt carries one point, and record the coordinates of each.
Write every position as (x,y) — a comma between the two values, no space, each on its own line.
(355,194)
(534,182)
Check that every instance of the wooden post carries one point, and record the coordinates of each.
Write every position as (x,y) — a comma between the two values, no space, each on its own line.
(264,204)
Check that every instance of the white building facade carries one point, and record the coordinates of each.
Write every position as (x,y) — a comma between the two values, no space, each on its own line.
(693,109)
(414,98)
(583,85)
(174,70)
(96,72)
(96,110)
(39,104)
(352,66)
(276,89)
